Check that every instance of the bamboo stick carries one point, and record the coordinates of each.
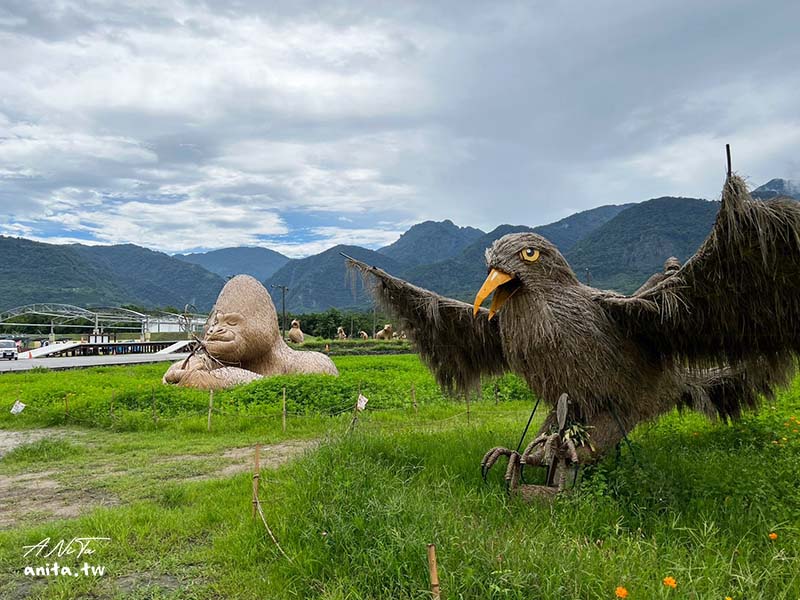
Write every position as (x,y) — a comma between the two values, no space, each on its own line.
(210,407)
(256,477)
(434,572)
(283,413)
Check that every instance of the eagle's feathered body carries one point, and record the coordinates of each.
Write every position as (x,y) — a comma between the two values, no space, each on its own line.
(714,334)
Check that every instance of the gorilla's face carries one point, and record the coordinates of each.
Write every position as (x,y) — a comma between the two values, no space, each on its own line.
(226,337)
(243,327)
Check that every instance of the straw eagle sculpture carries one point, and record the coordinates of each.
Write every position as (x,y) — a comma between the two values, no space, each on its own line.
(715,334)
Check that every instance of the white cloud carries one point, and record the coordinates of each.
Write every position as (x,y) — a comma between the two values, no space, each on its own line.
(328,237)
(170,227)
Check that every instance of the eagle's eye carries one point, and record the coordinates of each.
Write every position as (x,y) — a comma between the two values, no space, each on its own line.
(529,255)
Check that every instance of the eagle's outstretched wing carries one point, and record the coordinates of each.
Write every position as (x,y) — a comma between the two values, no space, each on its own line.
(457,347)
(736,301)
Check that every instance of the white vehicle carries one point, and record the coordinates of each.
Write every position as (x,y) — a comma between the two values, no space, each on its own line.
(8,348)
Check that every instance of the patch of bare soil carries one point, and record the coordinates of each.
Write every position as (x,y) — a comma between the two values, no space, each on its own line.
(138,582)
(39,495)
(13,439)
(29,495)
(241,459)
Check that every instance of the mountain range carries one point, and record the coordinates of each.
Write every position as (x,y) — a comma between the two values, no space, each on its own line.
(612,246)
(33,272)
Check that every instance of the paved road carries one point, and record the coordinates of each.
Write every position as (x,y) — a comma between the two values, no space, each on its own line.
(80,362)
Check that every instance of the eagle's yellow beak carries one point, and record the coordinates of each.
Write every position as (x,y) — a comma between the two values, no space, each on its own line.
(493,281)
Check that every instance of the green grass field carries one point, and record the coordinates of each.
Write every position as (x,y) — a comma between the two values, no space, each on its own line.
(696,501)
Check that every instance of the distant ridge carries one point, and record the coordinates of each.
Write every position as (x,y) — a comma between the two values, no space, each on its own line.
(322,281)
(261,263)
(431,241)
(778,187)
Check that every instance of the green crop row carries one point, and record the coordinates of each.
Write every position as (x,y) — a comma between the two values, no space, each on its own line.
(118,396)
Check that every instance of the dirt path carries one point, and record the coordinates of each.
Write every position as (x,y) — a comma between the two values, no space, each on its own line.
(44,495)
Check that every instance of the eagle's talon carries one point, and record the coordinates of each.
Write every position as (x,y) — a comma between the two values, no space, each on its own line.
(513,472)
(491,457)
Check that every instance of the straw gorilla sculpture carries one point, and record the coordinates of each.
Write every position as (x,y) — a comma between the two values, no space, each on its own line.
(713,335)
(242,342)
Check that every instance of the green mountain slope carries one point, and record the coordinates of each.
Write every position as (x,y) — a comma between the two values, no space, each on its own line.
(568,231)
(629,248)
(100,275)
(34,272)
(322,281)
(431,241)
(153,278)
(261,263)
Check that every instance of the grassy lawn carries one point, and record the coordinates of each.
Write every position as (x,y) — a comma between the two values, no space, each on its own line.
(696,501)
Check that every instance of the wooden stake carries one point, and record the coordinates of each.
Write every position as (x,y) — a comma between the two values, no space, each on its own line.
(155,415)
(434,572)
(468,395)
(111,406)
(355,411)
(210,407)
(283,417)
(496,394)
(256,477)
(66,406)
(414,396)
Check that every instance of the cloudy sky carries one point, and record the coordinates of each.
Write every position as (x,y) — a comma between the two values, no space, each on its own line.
(298,125)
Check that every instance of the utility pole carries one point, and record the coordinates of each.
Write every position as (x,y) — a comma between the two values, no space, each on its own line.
(283,290)
(374,320)
(588,277)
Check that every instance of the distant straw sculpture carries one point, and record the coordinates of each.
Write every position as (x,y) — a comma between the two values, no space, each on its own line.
(363,335)
(242,342)
(340,334)
(295,333)
(714,334)
(385,333)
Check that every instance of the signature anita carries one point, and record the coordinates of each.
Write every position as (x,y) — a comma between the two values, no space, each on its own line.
(76,546)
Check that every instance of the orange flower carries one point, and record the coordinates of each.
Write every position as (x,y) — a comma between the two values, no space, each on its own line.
(773,536)
(621,592)
(670,582)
